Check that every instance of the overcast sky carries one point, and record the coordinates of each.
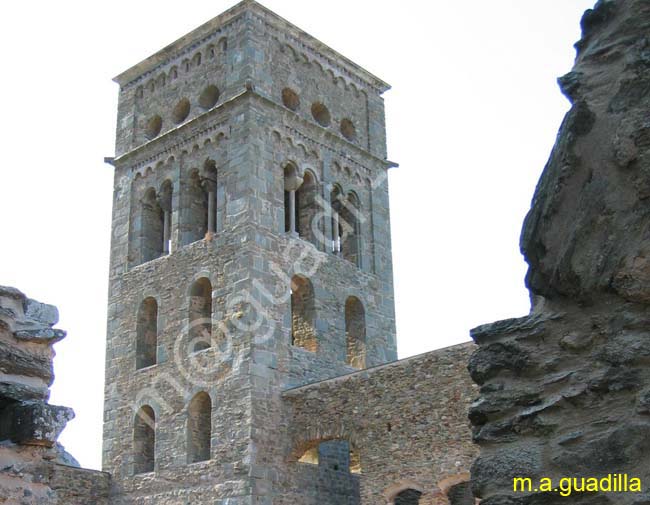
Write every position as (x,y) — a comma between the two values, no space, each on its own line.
(471,119)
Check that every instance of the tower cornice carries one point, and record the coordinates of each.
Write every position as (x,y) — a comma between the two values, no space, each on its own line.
(189,42)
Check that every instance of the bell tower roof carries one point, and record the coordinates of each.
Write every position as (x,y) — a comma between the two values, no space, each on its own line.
(188,42)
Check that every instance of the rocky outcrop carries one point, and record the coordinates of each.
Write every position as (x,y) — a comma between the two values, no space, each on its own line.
(34,468)
(565,391)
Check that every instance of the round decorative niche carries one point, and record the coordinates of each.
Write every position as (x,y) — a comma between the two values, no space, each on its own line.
(321,114)
(290,99)
(153,127)
(348,130)
(209,97)
(181,110)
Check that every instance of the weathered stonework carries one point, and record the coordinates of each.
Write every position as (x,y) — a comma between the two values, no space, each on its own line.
(251,255)
(407,421)
(564,391)
(34,468)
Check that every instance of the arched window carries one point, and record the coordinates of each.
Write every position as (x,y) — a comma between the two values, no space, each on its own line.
(292,182)
(306,208)
(151,227)
(199,428)
(144,440)
(209,185)
(350,229)
(165,199)
(147,333)
(200,315)
(408,497)
(355,332)
(336,455)
(195,222)
(303,333)
(335,202)
(223,44)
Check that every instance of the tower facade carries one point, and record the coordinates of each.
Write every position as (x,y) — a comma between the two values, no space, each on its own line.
(250,255)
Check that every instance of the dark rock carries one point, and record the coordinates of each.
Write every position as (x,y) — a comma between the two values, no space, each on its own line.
(643,402)
(487,332)
(576,341)
(34,423)
(489,360)
(570,85)
(16,361)
(498,469)
(40,336)
(631,93)
(21,391)
(41,312)
(594,18)
(620,448)
(614,379)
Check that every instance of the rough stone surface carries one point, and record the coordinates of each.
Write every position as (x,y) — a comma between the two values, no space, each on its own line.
(407,420)
(564,391)
(34,468)
(264,210)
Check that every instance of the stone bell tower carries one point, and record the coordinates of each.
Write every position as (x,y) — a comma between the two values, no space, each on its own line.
(250,254)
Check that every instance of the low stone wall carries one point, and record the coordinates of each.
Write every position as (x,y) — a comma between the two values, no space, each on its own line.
(406,421)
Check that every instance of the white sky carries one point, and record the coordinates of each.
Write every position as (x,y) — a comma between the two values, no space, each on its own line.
(471,118)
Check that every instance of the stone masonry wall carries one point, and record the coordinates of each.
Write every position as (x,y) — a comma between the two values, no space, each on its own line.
(34,468)
(565,391)
(406,420)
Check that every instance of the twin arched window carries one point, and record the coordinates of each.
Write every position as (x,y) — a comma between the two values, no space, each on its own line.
(199,434)
(152,220)
(199,214)
(303,314)
(302,214)
(153,224)
(346,227)
(200,324)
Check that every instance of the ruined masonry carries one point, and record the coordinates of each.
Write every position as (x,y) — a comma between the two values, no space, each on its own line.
(34,468)
(565,391)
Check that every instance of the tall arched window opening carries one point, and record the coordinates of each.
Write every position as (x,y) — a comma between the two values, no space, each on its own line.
(144,440)
(349,223)
(292,182)
(199,428)
(306,208)
(335,209)
(195,222)
(200,315)
(355,332)
(151,227)
(303,333)
(166,206)
(209,184)
(146,333)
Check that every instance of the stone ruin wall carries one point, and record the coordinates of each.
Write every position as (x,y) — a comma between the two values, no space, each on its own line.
(406,420)
(565,391)
(34,468)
